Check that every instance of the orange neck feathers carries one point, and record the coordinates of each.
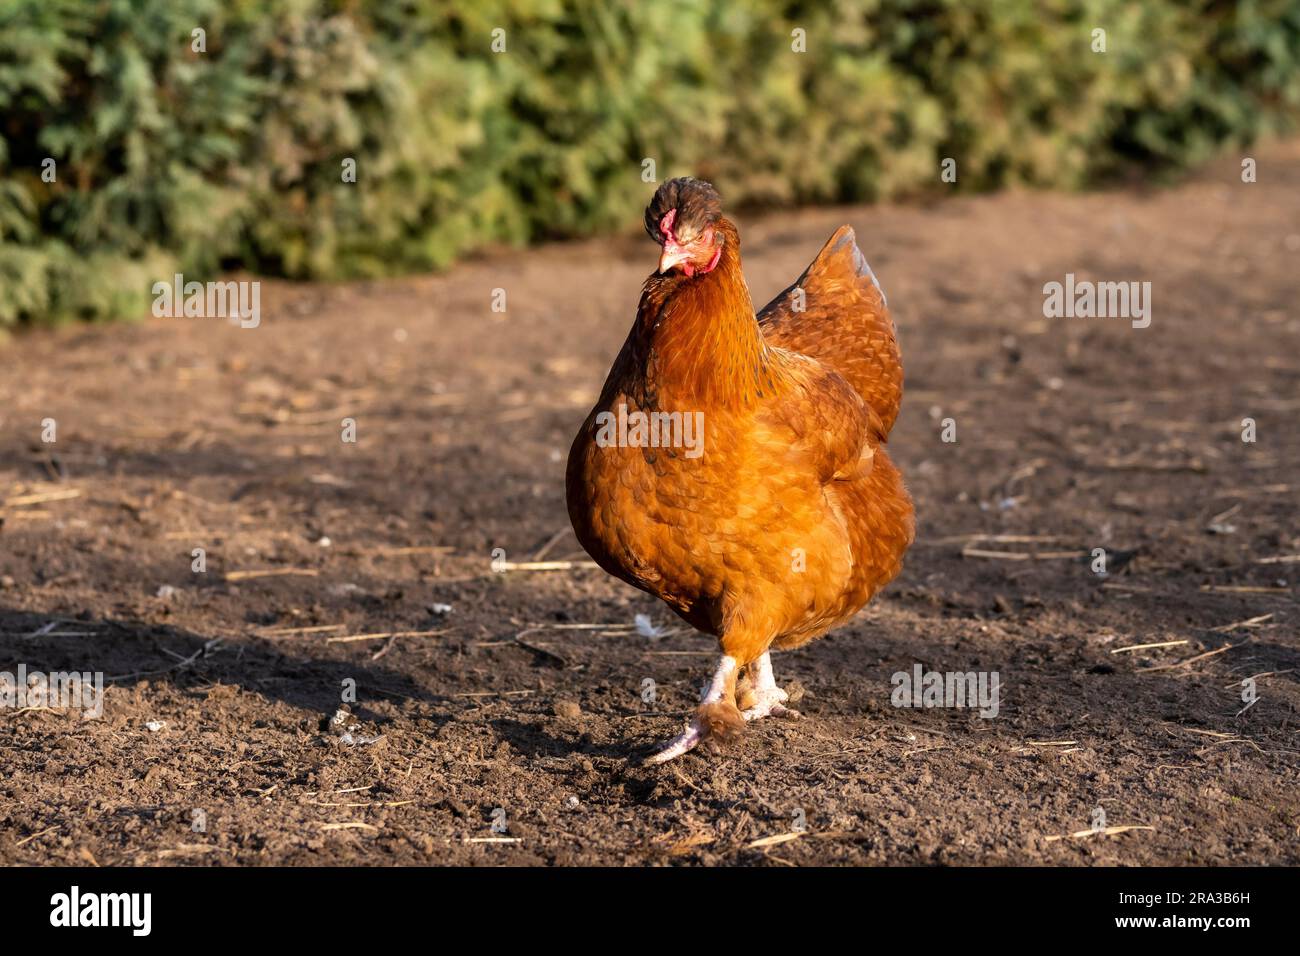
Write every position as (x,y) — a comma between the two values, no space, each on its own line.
(700,340)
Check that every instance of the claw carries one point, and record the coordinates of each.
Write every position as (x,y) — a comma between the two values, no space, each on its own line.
(682,743)
(769,700)
(771,703)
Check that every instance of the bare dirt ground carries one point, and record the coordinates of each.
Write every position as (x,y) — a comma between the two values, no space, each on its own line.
(1072,434)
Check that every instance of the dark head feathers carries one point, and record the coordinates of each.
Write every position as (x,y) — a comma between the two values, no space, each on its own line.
(697,203)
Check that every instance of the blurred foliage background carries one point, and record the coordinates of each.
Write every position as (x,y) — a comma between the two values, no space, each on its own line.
(171,160)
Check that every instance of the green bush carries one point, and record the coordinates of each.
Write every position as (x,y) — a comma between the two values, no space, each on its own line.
(171,160)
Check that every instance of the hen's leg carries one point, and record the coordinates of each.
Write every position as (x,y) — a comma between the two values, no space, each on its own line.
(718,697)
(766,696)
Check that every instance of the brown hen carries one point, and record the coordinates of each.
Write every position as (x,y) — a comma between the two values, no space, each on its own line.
(734,465)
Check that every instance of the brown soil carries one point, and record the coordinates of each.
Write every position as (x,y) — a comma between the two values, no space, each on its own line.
(175,434)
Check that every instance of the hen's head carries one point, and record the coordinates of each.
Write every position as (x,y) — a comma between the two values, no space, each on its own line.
(683,218)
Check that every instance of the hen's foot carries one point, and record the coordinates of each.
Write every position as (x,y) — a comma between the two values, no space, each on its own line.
(770,703)
(716,716)
(764,697)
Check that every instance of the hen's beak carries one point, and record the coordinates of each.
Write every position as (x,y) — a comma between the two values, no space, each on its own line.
(672,255)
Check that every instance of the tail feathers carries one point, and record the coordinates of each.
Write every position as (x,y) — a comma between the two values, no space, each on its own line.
(844,323)
(842,254)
